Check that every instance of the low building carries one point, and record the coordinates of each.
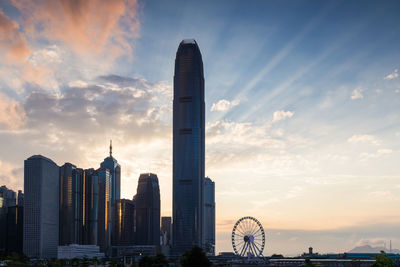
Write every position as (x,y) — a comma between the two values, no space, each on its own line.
(79,251)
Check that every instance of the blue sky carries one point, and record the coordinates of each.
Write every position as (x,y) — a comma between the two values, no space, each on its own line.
(302,99)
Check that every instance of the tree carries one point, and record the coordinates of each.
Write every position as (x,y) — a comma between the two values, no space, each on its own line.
(146,261)
(160,260)
(382,260)
(195,258)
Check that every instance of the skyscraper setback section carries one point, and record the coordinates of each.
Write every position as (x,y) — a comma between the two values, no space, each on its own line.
(188,147)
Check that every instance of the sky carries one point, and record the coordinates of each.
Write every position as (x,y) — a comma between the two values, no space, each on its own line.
(302,106)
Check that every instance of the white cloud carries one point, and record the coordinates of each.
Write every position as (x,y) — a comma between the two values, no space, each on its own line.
(378,154)
(12,113)
(281,115)
(364,138)
(224,105)
(357,94)
(392,75)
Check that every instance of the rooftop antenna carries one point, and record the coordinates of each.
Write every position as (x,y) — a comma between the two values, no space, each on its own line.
(110,148)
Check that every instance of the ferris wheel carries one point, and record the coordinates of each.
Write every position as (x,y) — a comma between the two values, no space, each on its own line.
(248,237)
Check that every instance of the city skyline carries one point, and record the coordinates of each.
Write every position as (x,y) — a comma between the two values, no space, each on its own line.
(302,107)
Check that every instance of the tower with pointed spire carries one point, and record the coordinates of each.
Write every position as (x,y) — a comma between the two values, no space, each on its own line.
(112,165)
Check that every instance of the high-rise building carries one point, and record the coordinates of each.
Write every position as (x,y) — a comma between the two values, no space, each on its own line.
(10,197)
(166,228)
(112,165)
(124,223)
(14,230)
(91,207)
(20,198)
(41,207)
(148,210)
(188,148)
(104,210)
(209,216)
(71,204)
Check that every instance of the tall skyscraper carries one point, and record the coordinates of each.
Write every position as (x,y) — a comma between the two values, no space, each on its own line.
(71,205)
(209,216)
(188,148)
(14,229)
(112,165)
(148,210)
(124,223)
(41,207)
(20,198)
(91,207)
(104,210)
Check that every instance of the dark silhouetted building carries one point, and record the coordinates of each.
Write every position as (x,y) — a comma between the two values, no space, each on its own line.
(188,148)
(124,223)
(148,210)
(209,216)
(112,165)
(41,207)
(104,210)
(91,207)
(14,229)
(20,198)
(71,204)
(7,199)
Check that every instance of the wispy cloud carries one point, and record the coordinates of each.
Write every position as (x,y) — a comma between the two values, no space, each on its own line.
(357,93)
(224,105)
(12,113)
(281,115)
(13,44)
(364,138)
(392,75)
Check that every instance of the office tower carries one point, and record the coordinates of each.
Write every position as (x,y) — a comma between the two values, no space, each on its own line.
(104,210)
(112,165)
(188,148)
(148,210)
(3,224)
(124,223)
(166,230)
(41,203)
(209,216)
(20,198)
(72,194)
(14,229)
(9,196)
(91,203)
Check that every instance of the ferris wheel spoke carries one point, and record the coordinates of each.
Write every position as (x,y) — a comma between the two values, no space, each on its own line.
(257,248)
(240,226)
(242,250)
(256,231)
(254,252)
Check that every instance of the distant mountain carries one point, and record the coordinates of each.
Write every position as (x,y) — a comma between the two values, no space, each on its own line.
(369,249)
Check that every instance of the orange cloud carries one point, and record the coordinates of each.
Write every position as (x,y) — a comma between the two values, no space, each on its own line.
(12,42)
(12,113)
(88,26)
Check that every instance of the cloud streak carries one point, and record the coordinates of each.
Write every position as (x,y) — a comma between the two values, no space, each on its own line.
(87,26)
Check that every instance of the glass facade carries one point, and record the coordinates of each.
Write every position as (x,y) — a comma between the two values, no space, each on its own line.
(147,202)
(41,207)
(104,210)
(124,223)
(188,148)
(209,216)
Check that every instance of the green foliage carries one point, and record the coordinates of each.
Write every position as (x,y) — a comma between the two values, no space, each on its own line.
(195,258)
(382,260)
(160,260)
(146,261)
